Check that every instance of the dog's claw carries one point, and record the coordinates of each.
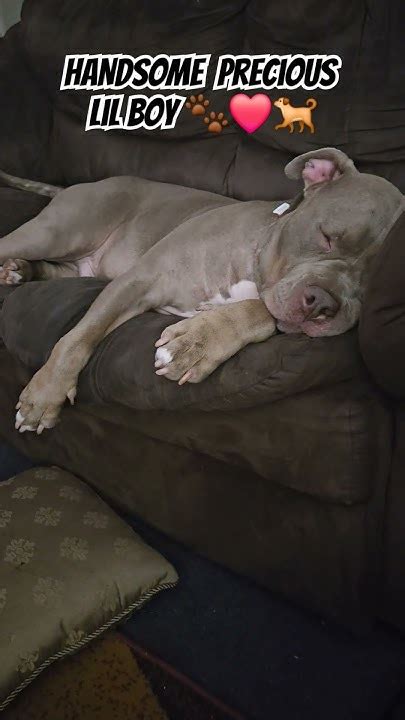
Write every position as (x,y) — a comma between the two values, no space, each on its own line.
(25,428)
(185,377)
(71,396)
(19,419)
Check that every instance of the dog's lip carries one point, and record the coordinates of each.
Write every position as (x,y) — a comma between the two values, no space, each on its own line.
(301,324)
(314,326)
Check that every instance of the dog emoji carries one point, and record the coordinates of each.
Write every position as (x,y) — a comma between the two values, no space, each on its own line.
(291,114)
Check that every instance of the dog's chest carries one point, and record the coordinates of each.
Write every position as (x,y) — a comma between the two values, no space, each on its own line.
(242,290)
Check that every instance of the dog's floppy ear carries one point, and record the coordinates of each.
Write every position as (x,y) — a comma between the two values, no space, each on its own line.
(341,161)
(286,101)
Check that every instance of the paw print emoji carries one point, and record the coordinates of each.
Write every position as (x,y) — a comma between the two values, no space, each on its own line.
(198,105)
(216,122)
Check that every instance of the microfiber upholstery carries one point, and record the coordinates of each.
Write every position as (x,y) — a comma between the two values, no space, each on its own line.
(121,369)
(70,569)
(208,417)
(278,465)
(363,114)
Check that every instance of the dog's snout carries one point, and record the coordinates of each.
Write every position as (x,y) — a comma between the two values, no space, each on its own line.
(318,303)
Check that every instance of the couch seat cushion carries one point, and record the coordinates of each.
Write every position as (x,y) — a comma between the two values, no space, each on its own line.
(70,569)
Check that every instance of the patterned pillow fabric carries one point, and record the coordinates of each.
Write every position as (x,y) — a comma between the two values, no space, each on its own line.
(70,569)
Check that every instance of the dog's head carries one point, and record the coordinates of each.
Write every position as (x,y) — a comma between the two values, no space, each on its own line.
(281,102)
(315,269)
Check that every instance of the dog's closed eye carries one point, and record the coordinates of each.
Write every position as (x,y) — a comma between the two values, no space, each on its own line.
(327,241)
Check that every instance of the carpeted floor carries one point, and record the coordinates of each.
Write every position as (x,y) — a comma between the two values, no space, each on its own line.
(262,655)
(256,652)
(110,680)
(11,462)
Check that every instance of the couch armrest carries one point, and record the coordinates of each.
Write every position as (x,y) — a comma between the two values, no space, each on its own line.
(121,370)
(382,325)
(25,118)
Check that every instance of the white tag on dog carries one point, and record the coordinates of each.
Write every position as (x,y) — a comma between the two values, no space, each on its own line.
(280,209)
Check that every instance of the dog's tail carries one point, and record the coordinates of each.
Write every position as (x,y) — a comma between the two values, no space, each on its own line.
(30,185)
(311,102)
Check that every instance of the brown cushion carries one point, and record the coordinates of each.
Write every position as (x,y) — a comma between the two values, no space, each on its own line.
(327,442)
(332,443)
(50,140)
(121,369)
(18,206)
(70,569)
(382,322)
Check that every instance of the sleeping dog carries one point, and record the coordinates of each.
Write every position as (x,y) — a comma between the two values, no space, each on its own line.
(234,270)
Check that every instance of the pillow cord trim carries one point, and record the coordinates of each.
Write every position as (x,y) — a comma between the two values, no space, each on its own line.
(84,641)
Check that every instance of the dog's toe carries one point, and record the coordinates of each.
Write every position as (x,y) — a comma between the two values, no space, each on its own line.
(15,272)
(163,357)
(34,414)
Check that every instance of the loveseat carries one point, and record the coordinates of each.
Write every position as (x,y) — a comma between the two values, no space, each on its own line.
(279,464)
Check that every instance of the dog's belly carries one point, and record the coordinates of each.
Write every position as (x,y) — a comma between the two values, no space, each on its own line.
(113,258)
(242,290)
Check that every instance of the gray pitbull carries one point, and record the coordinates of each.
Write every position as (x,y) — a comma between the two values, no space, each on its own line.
(182,251)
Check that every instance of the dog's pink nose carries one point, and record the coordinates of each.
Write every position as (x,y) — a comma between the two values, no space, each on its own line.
(318,303)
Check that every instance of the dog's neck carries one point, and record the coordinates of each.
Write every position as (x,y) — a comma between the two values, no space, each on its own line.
(268,261)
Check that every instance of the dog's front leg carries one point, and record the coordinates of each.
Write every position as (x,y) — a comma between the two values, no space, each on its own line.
(41,401)
(192,349)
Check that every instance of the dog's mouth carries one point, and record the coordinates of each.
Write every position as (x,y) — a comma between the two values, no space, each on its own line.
(313,320)
(315,327)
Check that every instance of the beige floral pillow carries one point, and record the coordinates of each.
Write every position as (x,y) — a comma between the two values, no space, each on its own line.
(70,568)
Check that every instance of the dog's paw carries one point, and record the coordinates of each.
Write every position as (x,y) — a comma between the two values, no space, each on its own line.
(216,122)
(40,404)
(197,104)
(186,351)
(15,272)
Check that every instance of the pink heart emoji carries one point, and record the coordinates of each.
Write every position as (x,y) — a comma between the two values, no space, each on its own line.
(250,112)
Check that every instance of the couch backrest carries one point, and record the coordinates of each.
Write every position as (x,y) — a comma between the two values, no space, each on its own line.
(364,114)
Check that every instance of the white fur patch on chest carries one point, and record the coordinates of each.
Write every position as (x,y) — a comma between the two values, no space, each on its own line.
(242,290)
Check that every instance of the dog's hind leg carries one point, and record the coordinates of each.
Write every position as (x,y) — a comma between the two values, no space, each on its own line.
(47,236)
(17,271)
(302,125)
(74,225)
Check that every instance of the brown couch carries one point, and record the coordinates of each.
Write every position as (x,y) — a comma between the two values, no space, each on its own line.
(278,465)
(382,338)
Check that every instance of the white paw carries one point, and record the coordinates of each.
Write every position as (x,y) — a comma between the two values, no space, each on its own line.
(14,277)
(9,276)
(40,403)
(179,353)
(15,272)
(21,427)
(162,357)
